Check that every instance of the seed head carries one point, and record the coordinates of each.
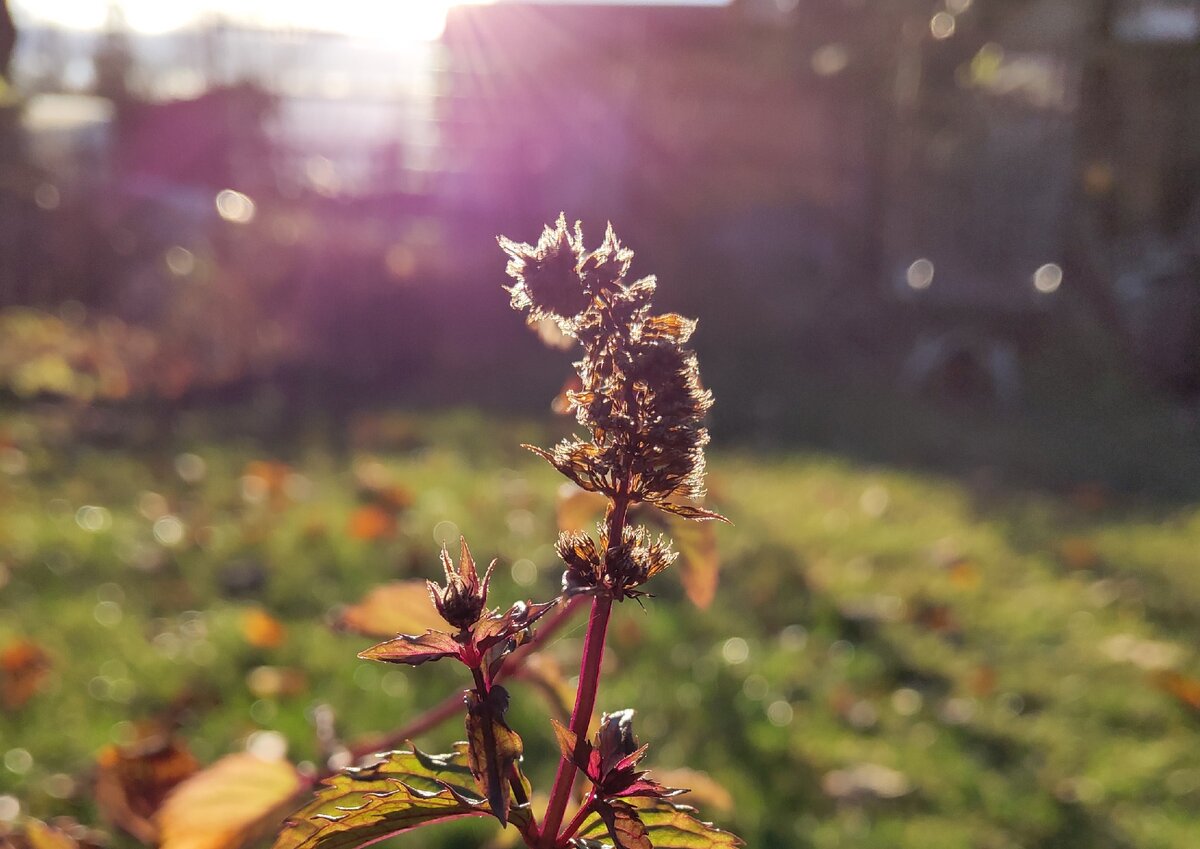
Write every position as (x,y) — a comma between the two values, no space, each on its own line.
(464,598)
(549,280)
(619,570)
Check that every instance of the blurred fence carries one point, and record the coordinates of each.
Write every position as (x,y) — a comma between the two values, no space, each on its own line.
(874,186)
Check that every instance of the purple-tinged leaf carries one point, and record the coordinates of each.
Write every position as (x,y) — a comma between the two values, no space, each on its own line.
(402,791)
(567,740)
(579,752)
(432,645)
(615,739)
(624,826)
(492,630)
(492,749)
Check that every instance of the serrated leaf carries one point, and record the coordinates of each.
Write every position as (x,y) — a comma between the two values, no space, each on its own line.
(402,791)
(568,742)
(624,825)
(401,607)
(702,789)
(228,804)
(667,827)
(432,645)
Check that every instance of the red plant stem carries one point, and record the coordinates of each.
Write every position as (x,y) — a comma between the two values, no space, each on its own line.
(589,684)
(449,707)
(576,821)
(581,716)
(452,705)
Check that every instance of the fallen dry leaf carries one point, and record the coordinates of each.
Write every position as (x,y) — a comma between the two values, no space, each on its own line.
(401,607)
(262,630)
(24,666)
(229,804)
(133,780)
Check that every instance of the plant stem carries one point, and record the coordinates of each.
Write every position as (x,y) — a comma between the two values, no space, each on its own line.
(589,683)
(580,815)
(581,716)
(452,705)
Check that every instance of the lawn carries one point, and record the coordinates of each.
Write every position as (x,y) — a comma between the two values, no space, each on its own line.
(893,659)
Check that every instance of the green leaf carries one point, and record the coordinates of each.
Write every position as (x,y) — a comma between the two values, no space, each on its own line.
(667,826)
(492,748)
(404,790)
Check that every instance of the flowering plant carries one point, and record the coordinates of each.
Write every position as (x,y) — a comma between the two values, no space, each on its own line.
(641,403)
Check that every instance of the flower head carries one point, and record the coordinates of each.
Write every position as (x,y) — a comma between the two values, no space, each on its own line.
(464,598)
(617,570)
(549,280)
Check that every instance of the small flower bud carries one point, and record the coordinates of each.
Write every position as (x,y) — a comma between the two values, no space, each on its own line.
(464,598)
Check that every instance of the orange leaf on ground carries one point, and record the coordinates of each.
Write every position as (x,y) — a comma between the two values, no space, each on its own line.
(23,669)
(262,630)
(371,522)
(230,804)
(1078,553)
(133,780)
(1183,687)
(402,607)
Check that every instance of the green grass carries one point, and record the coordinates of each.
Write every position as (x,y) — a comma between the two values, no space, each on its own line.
(962,636)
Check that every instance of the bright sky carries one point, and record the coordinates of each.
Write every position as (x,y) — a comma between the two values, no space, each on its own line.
(400,20)
(390,20)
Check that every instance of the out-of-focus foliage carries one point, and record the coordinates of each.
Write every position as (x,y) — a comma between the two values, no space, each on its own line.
(899,659)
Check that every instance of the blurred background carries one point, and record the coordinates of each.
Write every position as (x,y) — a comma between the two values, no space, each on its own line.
(255,359)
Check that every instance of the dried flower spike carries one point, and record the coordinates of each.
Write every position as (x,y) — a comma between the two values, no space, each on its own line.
(639,396)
